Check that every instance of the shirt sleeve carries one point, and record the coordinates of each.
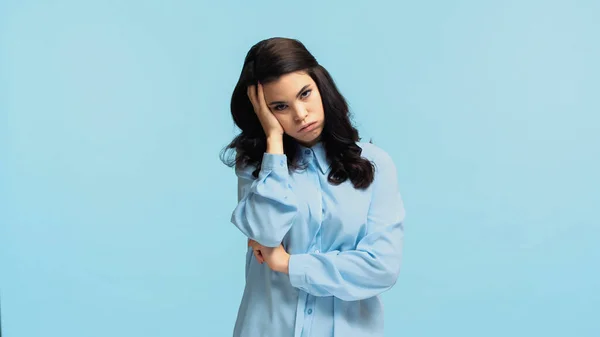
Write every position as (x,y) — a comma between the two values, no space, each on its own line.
(266,205)
(373,267)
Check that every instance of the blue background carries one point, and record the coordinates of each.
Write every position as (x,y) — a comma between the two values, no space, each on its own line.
(114,206)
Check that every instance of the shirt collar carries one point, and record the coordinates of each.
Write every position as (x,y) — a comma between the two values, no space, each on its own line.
(318,150)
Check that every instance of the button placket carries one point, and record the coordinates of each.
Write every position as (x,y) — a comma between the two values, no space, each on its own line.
(308,158)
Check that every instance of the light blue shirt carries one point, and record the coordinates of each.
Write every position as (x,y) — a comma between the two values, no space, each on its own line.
(345,246)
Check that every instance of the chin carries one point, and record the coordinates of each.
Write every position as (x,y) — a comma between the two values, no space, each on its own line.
(310,139)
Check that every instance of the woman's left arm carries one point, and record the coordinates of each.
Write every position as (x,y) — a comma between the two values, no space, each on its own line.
(373,267)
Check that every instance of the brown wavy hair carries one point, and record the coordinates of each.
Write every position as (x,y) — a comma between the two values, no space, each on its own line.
(265,62)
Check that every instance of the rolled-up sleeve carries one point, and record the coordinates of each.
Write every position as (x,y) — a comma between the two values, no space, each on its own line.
(374,265)
(266,206)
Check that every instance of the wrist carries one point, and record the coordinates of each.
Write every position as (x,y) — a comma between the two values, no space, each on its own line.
(285,264)
(275,144)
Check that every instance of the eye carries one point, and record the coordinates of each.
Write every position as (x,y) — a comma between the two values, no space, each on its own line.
(280,107)
(306,93)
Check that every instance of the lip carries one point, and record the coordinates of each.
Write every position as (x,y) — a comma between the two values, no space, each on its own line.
(308,127)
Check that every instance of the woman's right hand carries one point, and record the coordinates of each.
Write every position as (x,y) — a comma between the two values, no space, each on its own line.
(270,124)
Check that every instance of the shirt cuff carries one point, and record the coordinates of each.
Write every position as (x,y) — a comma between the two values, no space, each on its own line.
(274,162)
(297,270)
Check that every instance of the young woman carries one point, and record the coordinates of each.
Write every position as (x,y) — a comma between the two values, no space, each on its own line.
(321,210)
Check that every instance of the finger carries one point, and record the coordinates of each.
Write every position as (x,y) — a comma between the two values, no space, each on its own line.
(261,98)
(252,95)
(259,257)
(262,258)
(255,245)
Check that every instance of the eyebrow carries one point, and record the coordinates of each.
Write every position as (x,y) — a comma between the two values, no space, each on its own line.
(297,95)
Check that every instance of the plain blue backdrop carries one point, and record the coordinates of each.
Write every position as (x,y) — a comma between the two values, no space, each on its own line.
(114,206)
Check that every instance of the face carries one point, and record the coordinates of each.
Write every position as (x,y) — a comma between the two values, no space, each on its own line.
(295,101)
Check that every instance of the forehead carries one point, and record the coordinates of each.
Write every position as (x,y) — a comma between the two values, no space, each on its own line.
(288,84)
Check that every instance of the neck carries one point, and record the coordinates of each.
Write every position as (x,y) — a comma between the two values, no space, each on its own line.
(312,143)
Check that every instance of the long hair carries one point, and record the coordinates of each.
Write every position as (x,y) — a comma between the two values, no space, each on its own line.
(266,61)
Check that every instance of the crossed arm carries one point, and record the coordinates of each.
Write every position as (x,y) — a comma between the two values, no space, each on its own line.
(267,208)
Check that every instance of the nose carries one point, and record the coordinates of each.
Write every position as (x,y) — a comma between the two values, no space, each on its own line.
(301,113)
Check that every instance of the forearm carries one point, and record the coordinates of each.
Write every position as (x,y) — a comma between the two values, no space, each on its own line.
(275,144)
(267,206)
(370,269)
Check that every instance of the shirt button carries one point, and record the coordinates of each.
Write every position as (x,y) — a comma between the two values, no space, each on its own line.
(309,311)
(282,162)
(307,152)
(317,251)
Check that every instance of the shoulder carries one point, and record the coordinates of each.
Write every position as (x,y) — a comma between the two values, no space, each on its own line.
(245,170)
(269,161)
(386,174)
(377,155)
